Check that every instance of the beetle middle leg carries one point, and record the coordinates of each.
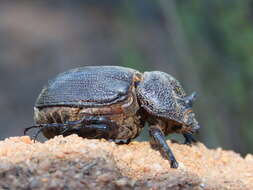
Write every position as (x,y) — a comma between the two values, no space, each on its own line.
(158,140)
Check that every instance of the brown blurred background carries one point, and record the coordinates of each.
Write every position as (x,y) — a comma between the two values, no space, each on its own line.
(207,45)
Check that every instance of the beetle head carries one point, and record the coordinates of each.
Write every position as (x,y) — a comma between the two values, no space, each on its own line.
(190,121)
(188,115)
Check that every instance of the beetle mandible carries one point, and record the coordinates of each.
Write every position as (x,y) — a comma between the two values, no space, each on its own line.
(114,103)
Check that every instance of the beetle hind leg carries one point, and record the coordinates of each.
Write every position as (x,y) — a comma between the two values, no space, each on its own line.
(91,131)
(32,127)
(41,128)
(87,127)
(92,127)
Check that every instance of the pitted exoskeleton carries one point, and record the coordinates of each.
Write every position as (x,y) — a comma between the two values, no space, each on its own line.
(114,103)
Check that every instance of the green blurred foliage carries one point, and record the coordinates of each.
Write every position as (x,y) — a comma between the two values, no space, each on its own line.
(220,35)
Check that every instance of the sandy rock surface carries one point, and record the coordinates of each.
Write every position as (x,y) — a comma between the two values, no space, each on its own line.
(76,163)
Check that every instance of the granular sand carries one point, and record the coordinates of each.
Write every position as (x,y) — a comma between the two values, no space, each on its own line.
(76,163)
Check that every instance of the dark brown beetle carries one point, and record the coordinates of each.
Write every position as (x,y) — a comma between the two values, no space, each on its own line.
(114,103)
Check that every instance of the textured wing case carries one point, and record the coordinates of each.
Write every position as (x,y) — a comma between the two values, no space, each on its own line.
(158,93)
(87,86)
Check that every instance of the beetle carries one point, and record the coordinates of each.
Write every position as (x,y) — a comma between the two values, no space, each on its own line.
(114,103)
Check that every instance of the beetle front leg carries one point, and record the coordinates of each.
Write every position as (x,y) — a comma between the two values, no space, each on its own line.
(158,140)
(189,139)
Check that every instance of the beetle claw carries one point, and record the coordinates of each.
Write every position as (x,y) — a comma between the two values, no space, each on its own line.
(36,135)
(174,164)
(159,141)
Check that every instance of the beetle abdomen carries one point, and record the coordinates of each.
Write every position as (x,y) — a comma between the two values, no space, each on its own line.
(87,86)
(55,115)
(123,113)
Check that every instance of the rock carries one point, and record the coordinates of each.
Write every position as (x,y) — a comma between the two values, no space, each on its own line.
(76,163)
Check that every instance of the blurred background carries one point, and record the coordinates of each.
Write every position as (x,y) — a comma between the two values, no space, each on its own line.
(207,45)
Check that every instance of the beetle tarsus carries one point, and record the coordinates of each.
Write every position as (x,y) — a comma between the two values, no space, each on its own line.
(189,139)
(42,126)
(31,127)
(37,134)
(159,141)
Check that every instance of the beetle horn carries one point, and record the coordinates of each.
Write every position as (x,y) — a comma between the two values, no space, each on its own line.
(190,99)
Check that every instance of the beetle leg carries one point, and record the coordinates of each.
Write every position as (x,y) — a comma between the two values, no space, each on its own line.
(122,141)
(88,120)
(37,134)
(90,131)
(28,128)
(88,126)
(91,127)
(43,126)
(84,120)
(189,139)
(102,130)
(95,127)
(158,140)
